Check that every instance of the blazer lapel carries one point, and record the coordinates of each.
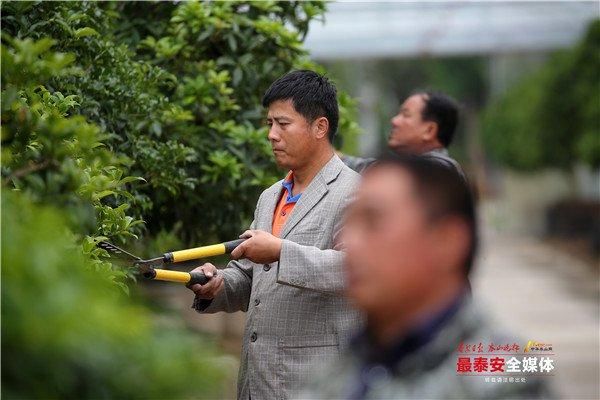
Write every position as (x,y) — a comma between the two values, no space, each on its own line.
(311,196)
(269,210)
(313,193)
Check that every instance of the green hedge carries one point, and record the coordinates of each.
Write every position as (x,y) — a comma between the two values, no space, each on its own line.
(68,332)
(176,89)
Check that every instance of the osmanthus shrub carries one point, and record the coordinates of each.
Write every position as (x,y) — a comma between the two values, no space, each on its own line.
(68,332)
(176,89)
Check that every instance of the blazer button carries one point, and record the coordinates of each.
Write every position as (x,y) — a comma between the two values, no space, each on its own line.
(266,267)
(256,302)
(253,337)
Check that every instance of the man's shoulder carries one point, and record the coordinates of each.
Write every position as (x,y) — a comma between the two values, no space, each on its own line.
(431,371)
(442,157)
(479,331)
(345,184)
(357,164)
(348,175)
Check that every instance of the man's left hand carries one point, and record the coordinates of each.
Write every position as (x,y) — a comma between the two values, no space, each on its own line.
(259,247)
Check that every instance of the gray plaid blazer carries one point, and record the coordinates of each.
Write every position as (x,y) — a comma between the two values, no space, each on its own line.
(296,317)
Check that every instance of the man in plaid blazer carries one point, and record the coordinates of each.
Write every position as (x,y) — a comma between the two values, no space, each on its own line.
(287,275)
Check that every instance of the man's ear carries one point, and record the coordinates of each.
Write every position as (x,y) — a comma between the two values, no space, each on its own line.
(453,236)
(431,131)
(321,126)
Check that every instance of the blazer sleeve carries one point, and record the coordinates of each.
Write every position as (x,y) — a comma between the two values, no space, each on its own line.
(235,296)
(237,277)
(312,268)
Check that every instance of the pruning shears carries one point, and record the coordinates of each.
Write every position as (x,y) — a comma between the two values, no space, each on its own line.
(149,270)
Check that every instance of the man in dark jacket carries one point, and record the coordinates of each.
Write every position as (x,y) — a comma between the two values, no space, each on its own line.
(425,125)
(410,236)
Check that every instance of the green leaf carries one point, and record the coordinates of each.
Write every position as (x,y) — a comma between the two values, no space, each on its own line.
(87,31)
(104,193)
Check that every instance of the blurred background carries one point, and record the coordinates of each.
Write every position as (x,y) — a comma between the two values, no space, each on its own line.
(524,72)
(142,124)
(528,77)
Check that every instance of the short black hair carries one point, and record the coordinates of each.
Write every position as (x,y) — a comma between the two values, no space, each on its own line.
(443,190)
(312,95)
(443,110)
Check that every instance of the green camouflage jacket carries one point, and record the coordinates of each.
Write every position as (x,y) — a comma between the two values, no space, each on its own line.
(430,372)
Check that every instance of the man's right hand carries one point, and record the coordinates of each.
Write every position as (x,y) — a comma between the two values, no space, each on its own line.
(213,287)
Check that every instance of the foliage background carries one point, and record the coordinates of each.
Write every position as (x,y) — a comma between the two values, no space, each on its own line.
(552,117)
(121,121)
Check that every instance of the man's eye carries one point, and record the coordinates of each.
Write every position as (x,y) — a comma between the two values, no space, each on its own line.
(371,220)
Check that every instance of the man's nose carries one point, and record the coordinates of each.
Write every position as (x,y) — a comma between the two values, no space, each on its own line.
(273,135)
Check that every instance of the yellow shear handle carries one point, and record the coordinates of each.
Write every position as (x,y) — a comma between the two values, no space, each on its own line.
(171,276)
(203,252)
(198,252)
(177,276)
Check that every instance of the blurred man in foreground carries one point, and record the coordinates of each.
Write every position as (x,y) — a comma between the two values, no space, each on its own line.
(411,236)
(289,278)
(425,125)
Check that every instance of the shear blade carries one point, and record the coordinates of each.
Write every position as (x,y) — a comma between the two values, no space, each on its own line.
(116,251)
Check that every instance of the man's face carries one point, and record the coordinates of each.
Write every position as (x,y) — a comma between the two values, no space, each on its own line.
(409,130)
(292,137)
(391,247)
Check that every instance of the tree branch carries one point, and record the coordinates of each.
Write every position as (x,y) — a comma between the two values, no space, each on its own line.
(32,167)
